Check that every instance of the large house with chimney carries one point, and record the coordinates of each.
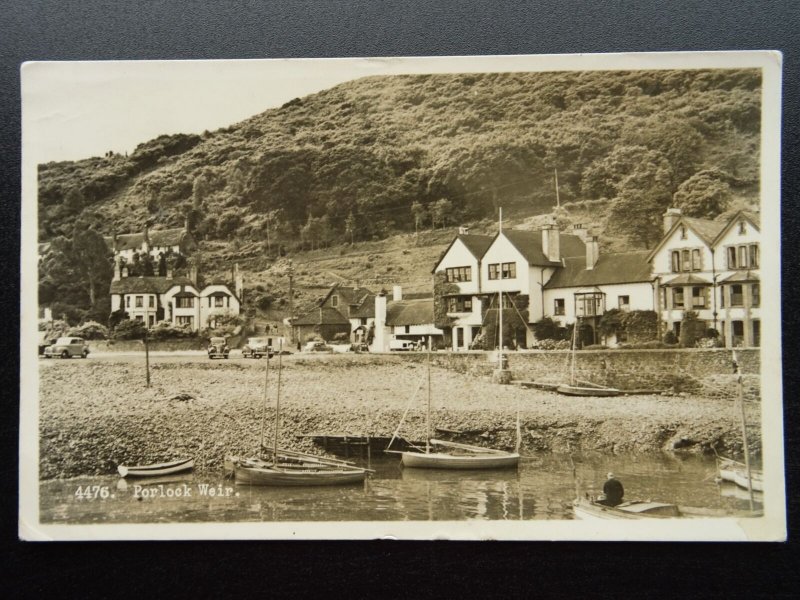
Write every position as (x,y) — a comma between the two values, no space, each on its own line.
(176,300)
(707,266)
(154,242)
(405,319)
(343,310)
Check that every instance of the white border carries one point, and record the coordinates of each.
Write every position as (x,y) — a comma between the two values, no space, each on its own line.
(772,527)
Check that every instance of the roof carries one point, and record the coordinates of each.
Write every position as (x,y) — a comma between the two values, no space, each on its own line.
(529,244)
(707,229)
(687,279)
(623,267)
(158,237)
(146,285)
(475,243)
(364,310)
(348,294)
(324,315)
(409,312)
(741,277)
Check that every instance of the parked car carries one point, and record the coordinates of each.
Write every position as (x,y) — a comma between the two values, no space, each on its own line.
(402,345)
(67,347)
(360,347)
(45,340)
(317,346)
(256,347)
(218,348)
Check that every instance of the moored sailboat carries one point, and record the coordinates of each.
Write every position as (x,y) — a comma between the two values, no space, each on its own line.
(582,388)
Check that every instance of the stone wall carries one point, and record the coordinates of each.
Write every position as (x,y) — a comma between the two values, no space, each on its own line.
(155,345)
(676,370)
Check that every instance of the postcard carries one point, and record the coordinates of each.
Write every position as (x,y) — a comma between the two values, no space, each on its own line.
(477,297)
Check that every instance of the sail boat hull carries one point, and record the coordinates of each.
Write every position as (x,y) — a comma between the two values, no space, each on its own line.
(436,460)
(271,476)
(574,390)
(736,472)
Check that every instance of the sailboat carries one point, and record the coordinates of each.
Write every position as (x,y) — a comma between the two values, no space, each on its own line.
(441,454)
(288,467)
(582,388)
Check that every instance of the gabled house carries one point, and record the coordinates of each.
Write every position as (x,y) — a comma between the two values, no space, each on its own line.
(710,267)
(177,300)
(401,319)
(344,309)
(153,242)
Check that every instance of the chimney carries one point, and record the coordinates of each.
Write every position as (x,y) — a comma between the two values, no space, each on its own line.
(117,269)
(381,341)
(170,272)
(114,242)
(146,242)
(238,283)
(551,242)
(463,230)
(397,293)
(580,230)
(125,271)
(670,218)
(592,252)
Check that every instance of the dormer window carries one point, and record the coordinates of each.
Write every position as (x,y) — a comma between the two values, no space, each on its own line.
(742,227)
(683,232)
(334,301)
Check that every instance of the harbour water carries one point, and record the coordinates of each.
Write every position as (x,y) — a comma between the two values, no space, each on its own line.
(542,488)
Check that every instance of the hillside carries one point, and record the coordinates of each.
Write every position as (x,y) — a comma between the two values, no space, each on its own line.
(381,156)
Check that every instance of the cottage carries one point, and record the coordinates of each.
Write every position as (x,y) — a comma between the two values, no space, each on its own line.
(153,242)
(344,310)
(404,319)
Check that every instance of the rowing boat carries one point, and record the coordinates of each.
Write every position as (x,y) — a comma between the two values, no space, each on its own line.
(261,472)
(461,456)
(157,470)
(736,472)
(577,390)
(588,509)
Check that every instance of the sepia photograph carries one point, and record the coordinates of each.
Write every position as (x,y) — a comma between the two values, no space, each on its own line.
(495,297)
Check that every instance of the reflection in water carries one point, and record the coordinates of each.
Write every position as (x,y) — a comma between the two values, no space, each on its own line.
(542,488)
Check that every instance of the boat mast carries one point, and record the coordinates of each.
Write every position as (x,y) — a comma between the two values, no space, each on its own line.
(428,415)
(572,353)
(278,403)
(500,308)
(746,449)
(264,408)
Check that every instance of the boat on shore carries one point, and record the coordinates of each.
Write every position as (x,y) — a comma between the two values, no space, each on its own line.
(576,387)
(286,467)
(157,470)
(588,509)
(734,471)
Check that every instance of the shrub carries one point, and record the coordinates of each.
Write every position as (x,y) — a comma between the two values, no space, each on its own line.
(546,329)
(650,345)
(91,330)
(692,329)
(670,338)
(596,347)
(341,337)
(551,345)
(129,329)
(164,330)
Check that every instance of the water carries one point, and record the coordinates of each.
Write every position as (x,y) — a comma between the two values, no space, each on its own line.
(541,488)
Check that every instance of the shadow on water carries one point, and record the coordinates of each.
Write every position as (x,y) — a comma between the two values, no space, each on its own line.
(542,488)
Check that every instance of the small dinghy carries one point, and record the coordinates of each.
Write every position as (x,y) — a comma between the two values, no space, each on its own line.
(587,508)
(167,468)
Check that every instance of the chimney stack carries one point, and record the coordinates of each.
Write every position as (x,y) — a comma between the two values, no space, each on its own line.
(551,242)
(397,293)
(671,217)
(170,272)
(463,230)
(125,271)
(579,230)
(238,281)
(592,252)
(115,242)
(380,341)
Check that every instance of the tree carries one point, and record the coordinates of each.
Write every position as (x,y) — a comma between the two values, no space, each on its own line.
(350,226)
(92,259)
(420,213)
(442,211)
(705,194)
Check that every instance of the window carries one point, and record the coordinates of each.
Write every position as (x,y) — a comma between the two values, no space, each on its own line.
(139,318)
(458,274)
(509,270)
(219,301)
(334,301)
(459,304)
(588,305)
(737,298)
(698,297)
(139,301)
(696,264)
(467,304)
(559,306)
(756,332)
(151,301)
(683,232)
(184,302)
(686,262)
(677,297)
(742,227)
(743,257)
(494,271)
(128,301)
(755,294)
(624,303)
(185,320)
(737,333)
(676,261)
(408,328)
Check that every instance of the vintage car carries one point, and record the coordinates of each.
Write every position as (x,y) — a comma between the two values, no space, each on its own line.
(256,347)
(67,347)
(45,339)
(317,346)
(218,348)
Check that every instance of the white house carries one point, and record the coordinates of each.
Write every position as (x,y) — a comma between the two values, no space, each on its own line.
(711,268)
(400,319)
(177,300)
(153,242)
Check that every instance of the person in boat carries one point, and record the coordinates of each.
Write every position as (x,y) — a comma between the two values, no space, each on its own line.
(612,492)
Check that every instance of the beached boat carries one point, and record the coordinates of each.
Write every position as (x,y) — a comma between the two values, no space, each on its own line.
(287,467)
(576,387)
(588,509)
(736,472)
(157,470)
(453,455)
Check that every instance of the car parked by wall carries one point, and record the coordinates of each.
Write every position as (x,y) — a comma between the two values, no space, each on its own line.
(67,347)
(256,347)
(218,348)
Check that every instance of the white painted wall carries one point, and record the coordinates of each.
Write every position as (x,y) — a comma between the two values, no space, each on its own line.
(641,298)
(459,256)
